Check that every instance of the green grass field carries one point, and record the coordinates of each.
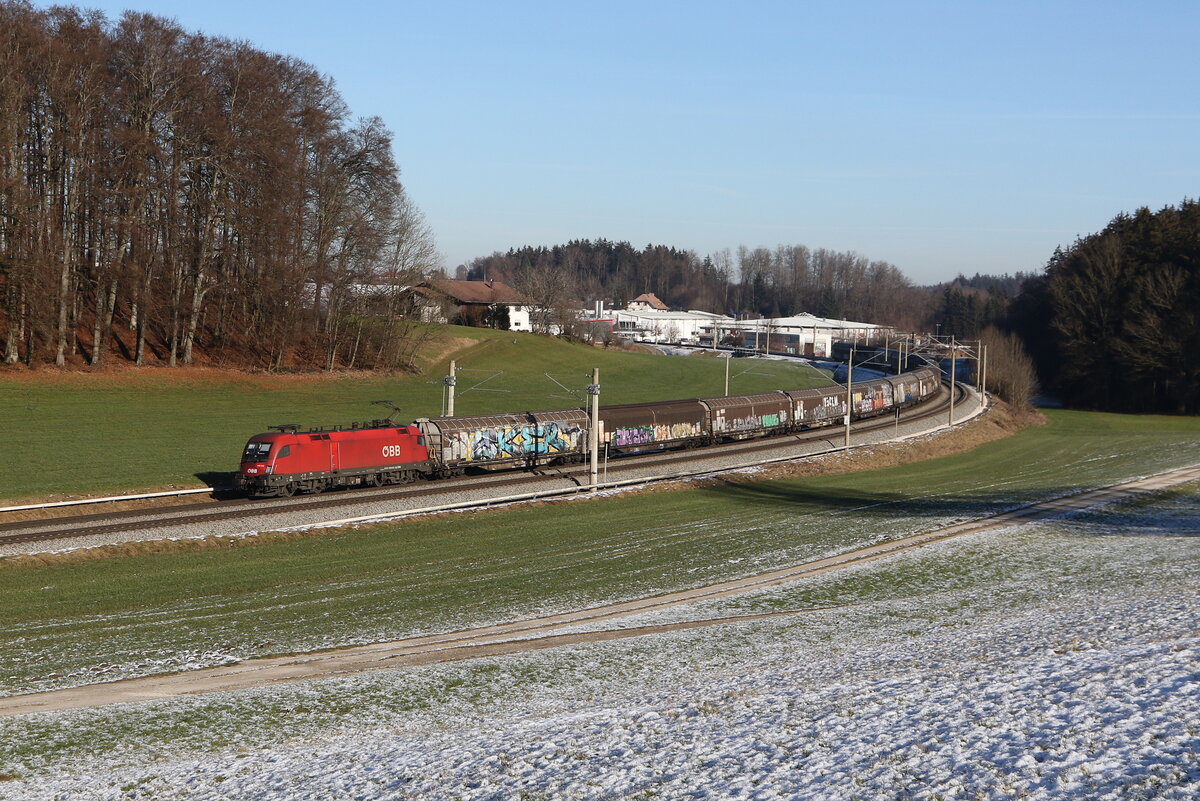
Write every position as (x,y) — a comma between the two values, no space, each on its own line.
(82,433)
(155,613)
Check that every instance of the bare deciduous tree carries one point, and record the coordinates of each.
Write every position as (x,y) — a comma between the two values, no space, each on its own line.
(1010,371)
(185,188)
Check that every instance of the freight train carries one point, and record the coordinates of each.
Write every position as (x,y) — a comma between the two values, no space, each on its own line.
(287,460)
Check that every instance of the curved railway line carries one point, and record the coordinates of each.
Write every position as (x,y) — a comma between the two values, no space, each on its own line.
(550,481)
(549,631)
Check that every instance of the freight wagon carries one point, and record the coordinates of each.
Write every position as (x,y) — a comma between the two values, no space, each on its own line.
(639,427)
(508,440)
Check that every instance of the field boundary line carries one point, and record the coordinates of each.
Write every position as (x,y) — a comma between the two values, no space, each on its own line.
(111,499)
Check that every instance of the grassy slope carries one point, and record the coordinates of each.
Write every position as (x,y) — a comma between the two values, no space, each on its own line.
(139,429)
(442,573)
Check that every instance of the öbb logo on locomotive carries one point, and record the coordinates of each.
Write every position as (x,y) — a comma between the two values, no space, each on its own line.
(288,460)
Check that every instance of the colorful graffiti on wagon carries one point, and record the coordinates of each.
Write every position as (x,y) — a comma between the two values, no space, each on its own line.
(873,398)
(751,422)
(831,406)
(514,442)
(645,435)
(906,391)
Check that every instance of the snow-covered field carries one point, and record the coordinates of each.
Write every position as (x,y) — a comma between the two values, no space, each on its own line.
(1053,661)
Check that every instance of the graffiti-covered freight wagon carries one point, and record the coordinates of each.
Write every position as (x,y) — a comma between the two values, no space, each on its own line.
(905,388)
(635,427)
(526,439)
(739,417)
(929,380)
(820,406)
(871,396)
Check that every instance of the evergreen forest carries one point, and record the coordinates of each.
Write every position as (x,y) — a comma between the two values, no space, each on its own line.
(1114,322)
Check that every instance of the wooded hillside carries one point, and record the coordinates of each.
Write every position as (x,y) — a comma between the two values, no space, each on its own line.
(782,281)
(179,188)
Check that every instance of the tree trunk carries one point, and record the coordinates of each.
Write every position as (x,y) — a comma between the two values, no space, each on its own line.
(11,352)
(143,314)
(176,299)
(98,337)
(64,304)
(189,335)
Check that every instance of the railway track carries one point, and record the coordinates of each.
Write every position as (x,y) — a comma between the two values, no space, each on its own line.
(549,631)
(565,479)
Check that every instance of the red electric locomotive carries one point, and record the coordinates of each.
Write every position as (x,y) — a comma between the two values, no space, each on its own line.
(286,460)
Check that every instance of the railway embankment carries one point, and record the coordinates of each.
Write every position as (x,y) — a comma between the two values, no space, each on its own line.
(918,431)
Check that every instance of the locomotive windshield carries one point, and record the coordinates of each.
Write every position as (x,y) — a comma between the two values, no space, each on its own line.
(256,452)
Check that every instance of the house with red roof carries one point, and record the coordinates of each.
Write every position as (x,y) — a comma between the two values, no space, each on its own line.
(647,301)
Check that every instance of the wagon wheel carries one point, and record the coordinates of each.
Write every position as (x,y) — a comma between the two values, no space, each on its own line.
(287,490)
(373,480)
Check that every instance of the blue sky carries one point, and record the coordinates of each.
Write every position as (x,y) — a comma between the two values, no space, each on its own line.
(941,137)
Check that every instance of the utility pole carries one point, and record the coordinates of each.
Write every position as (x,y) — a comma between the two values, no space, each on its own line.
(953,352)
(849,391)
(979,365)
(450,381)
(594,428)
(983,379)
